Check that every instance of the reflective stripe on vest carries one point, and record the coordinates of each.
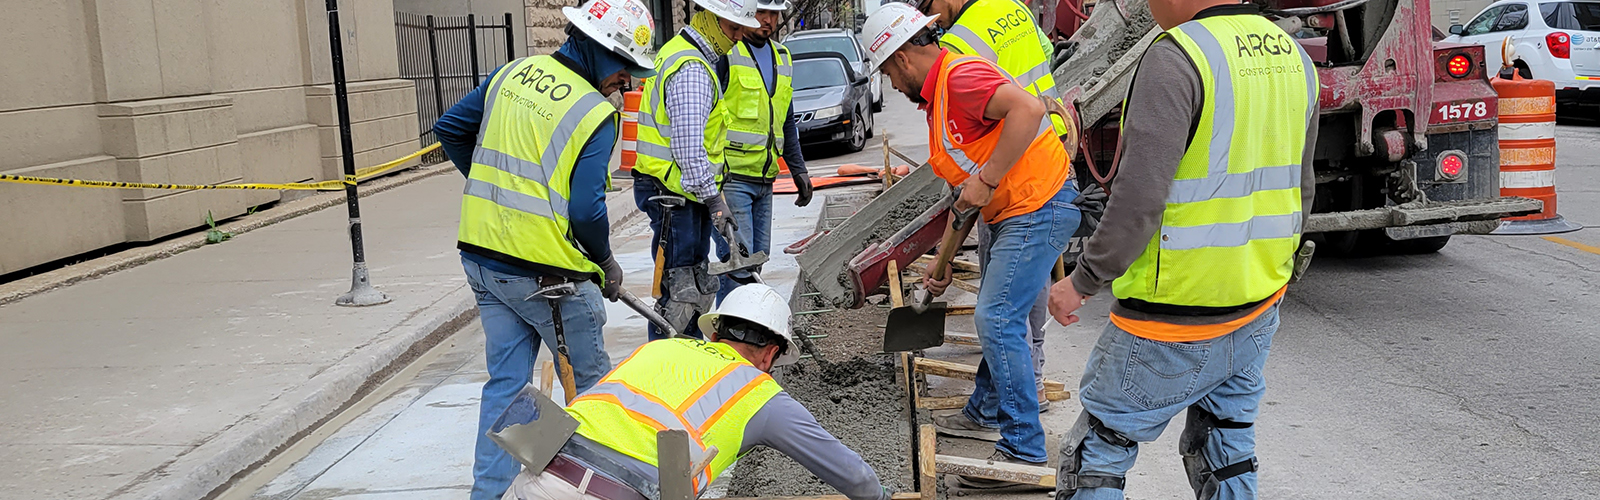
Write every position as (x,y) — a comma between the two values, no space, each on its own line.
(1037,176)
(1233,218)
(654,143)
(538,116)
(703,388)
(1023,52)
(755,117)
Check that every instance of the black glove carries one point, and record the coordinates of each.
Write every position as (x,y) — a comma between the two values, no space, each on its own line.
(613,278)
(721,215)
(1091,203)
(802,183)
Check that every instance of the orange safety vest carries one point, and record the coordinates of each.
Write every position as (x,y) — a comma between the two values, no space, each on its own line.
(1036,177)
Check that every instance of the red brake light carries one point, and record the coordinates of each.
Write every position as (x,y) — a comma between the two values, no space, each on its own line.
(1459,66)
(1560,44)
(1451,163)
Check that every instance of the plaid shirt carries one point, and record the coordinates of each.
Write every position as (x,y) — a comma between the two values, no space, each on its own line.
(690,97)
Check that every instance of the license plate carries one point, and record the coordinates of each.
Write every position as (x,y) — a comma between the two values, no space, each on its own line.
(1469,110)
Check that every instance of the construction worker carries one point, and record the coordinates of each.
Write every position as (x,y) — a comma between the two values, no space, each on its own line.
(757,98)
(682,143)
(1198,243)
(718,390)
(1012,40)
(994,140)
(535,141)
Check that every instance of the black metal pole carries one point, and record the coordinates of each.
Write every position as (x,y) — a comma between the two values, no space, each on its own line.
(472,46)
(511,40)
(361,291)
(433,55)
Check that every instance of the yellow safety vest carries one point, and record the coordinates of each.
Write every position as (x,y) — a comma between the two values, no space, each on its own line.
(538,115)
(1004,32)
(655,127)
(1233,217)
(704,388)
(755,118)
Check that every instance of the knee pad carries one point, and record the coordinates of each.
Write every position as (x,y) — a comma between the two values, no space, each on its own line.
(1191,445)
(1068,480)
(691,291)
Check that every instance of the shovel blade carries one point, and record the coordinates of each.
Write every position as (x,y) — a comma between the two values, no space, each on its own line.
(909,330)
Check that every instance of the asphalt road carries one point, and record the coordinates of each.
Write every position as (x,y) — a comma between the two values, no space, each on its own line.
(1470,373)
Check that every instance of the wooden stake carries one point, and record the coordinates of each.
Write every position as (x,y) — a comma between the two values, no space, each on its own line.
(547,378)
(926,443)
(897,295)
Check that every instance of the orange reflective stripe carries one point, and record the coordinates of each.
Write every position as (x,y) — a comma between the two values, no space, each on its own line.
(706,387)
(637,417)
(733,401)
(721,394)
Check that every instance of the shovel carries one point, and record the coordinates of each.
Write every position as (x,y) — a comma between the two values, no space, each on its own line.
(920,324)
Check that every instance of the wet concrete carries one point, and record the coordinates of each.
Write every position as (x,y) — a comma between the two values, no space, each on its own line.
(859,402)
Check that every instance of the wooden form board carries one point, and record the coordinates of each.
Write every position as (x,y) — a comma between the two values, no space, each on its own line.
(978,467)
(966,372)
(954,402)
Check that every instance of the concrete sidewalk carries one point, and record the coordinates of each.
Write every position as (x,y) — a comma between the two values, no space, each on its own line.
(167,379)
(414,440)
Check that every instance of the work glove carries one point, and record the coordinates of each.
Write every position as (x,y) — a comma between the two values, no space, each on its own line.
(721,216)
(1091,203)
(613,278)
(802,183)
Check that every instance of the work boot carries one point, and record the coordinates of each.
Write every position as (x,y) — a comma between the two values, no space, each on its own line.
(958,425)
(983,483)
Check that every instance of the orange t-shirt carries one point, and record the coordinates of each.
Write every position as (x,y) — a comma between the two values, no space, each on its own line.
(1168,332)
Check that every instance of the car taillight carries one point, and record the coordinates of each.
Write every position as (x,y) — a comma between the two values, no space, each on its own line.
(1560,44)
(1451,165)
(1459,66)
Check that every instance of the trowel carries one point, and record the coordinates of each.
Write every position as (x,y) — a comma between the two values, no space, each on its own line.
(920,323)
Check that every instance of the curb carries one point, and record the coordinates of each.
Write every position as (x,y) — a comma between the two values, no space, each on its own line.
(37,284)
(235,452)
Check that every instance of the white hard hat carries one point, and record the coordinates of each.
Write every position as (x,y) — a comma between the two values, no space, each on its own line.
(759,304)
(742,12)
(624,26)
(890,27)
(778,5)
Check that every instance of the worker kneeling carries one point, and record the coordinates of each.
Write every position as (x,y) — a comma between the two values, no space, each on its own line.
(994,141)
(718,391)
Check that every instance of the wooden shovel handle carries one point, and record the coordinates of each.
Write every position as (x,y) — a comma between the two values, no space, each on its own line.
(960,226)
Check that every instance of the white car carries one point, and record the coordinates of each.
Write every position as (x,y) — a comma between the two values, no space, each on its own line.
(1557,40)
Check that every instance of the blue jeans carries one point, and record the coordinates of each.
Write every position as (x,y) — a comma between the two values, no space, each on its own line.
(1135,386)
(1037,320)
(752,212)
(513,327)
(681,239)
(1023,251)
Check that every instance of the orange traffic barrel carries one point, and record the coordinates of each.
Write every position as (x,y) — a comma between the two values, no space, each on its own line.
(630,128)
(1528,153)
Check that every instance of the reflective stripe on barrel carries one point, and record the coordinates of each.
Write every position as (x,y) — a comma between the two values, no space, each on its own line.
(1528,142)
(630,128)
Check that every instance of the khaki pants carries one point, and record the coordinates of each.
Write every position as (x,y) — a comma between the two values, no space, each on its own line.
(527,486)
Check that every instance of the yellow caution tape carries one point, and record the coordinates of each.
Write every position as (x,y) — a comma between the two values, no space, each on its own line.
(333,185)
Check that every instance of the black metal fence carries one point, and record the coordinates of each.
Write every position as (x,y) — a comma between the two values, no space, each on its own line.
(448,56)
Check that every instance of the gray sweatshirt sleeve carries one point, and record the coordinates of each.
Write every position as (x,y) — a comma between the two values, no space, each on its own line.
(783,425)
(1165,101)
